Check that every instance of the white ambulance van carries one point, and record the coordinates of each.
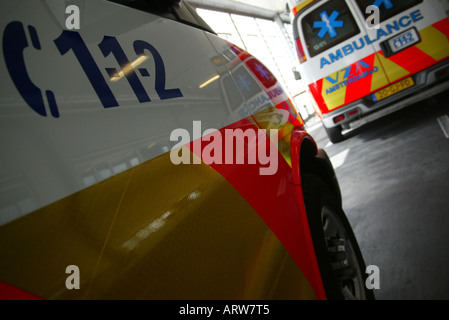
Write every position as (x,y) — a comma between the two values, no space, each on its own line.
(357,70)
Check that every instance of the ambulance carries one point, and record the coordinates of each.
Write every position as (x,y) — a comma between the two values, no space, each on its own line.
(115,182)
(363,59)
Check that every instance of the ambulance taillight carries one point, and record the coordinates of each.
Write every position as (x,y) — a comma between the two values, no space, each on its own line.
(300,51)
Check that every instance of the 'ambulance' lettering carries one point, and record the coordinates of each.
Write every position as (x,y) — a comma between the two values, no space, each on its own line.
(359,44)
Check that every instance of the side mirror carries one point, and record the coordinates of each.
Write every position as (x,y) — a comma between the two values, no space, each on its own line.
(297,74)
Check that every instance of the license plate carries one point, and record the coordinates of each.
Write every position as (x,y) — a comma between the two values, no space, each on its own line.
(404,40)
(393,89)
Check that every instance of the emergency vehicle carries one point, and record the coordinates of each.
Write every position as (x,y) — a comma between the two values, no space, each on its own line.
(358,70)
(92,205)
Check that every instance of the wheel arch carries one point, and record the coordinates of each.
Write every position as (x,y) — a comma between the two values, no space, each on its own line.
(307,158)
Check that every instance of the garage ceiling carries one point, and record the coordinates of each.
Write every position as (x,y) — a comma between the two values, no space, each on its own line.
(268,9)
(272,5)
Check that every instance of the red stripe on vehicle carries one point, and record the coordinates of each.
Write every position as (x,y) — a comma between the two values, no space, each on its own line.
(9,292)
(361,87)
(274,198)
(413,60)
(316,89)
(442,26)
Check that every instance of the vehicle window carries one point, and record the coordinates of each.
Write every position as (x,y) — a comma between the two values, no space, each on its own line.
(172,9)
(328,25)
(235,100)
(388,8)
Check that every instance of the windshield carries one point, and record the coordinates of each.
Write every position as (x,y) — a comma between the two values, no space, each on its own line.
(327,26)
(388,8)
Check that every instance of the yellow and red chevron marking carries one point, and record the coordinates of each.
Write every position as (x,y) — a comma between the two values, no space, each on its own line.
(433,48)
(301,6)
(352,83)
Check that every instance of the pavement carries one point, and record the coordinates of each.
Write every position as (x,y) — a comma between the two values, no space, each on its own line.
(394,176)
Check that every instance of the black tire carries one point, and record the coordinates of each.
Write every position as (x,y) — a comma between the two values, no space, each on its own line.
(339,258)
(334,134)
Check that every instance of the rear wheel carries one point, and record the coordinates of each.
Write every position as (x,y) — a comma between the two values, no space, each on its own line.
(334,134)
(339,258)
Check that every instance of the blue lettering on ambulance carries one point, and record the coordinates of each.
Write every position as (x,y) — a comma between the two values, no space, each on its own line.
(15,41)
(416,16)
(360,66)
(405,24)
(397,25)
(337,56)
(381,33)
(388,4)
(352,79)
(348,50)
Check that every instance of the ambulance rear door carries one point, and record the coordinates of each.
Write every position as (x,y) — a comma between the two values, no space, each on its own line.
(411,37)
(339,56)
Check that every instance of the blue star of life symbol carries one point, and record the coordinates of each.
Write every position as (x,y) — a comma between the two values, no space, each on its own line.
(328,24)
(263,72)
(243,82)
(388,4)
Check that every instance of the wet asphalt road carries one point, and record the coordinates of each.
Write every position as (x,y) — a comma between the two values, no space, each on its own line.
(394,176)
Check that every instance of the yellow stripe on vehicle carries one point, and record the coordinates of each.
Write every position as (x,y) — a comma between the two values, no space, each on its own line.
(378,79)
(156,231)
(333,96)
(301,6)
(392,70)
(434,43)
